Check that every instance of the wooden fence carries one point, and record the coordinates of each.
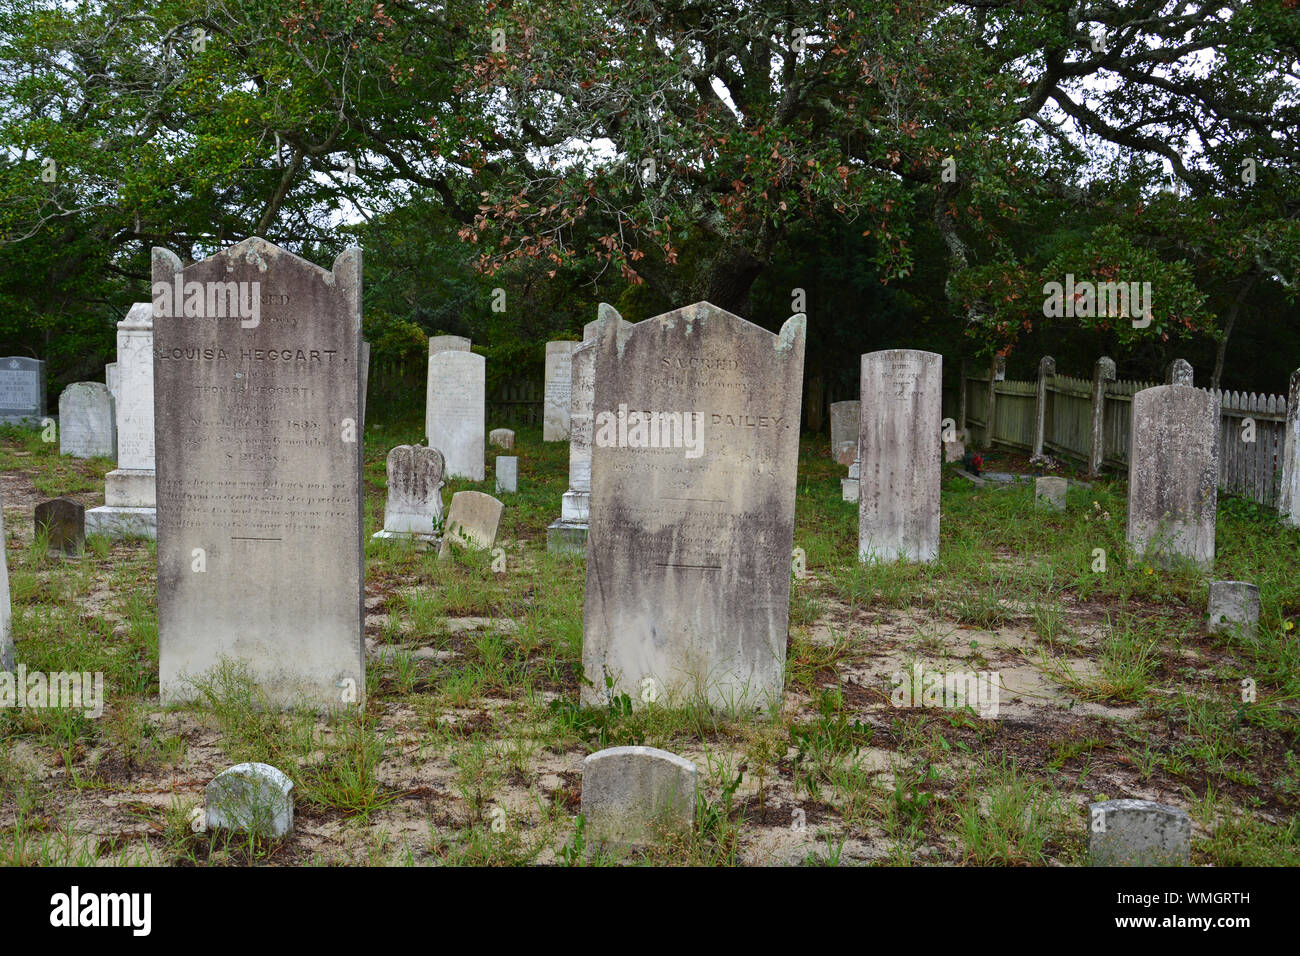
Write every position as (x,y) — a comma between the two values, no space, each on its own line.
(1073,409)
(401,384)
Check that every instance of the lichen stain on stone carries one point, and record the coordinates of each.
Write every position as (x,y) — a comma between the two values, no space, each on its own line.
(792,331)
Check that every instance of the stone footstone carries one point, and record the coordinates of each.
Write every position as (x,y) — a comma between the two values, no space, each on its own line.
(507,470)
(86,421)
(954,450)
(502,438)
(472,521)
(1234,608)
(1138,833)
(850,486)
(1049,493)
(65,520)
(637,796)
(250,798)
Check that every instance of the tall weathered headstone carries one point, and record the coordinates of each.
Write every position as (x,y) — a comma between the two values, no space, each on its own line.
(900,467)
(844,431)
(437,345)
(414,505)
(695,450)
(86,428)
(257,400)
(1173,473)
(558,390)
(22,390)
(6,611)
(568,534)
(455,417)
(130,491)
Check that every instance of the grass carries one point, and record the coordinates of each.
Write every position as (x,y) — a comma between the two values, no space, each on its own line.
(469,748)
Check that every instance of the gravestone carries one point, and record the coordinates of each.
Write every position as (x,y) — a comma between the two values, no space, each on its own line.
(507,469)
(472,521)
(365,378)
(1180,372)
(558,390)
(22,390)
(844,431)
(257,398)
(110,379)
(437,345)
(454,418)
(694,454)
(954,450)
(1138,833)
(86,427)
(6,610)
(1173,473)
(65,521)
(250,798)
(1234,608)
(130,490)
(898,506)
(413,508)
(1049,493)
(637,796)
(502,438)
(849,488)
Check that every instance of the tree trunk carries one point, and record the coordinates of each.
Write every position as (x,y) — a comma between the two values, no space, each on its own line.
(730,277)
(1227,331)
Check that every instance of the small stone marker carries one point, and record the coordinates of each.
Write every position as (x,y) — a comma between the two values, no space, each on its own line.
(130,489)
(1049,493)
(502,438)
(844,431)
(954,450)
(260,555)
(251,798)
(22,390)
(1138,833)
(472,520)
(507,470)
(455,415)
(898,508)
(6,611)
(413,507)
(558,390)
(1234,608)
(1173,473)
(86,428)
(1179,372)
(637,796)
(65,520)
(850,486)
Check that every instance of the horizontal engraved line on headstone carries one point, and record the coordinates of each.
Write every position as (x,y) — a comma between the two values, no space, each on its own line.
(688,567)
(241,538)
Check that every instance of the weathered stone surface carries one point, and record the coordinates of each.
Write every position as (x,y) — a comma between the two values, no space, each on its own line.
(1179,372)
(1138,833)
(637,796)
(898,506)
(1234,608)
(1288,495)
(250,798)
(954,450)
(1049,493)
(849,487)
(130,490)
(502,438)
(507,471)
(22,390)
(472,521)
(692,512)
(65,521)
(86,421)
(6,609)
(558,390)
(844,431)
(259,474)
(1173,473)
(456,414)
(110,379)
(414,502)
(438,344)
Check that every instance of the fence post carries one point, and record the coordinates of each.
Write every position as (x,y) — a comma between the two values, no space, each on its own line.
(1046,370)
(997,373)
(1103,372)
(1288,499)
(1179,372)
(961,402)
